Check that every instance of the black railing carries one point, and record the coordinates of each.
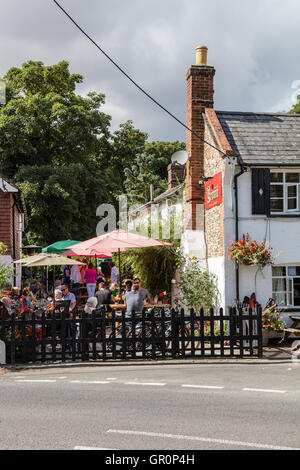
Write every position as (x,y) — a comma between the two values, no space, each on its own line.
(157,333)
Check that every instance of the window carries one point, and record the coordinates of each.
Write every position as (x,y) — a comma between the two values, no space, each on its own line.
(286,285)
(284,192)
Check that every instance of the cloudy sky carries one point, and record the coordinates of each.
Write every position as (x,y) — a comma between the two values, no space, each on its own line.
(253,44)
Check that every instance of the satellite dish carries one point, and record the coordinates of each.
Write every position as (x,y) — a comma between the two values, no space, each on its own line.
(180,157)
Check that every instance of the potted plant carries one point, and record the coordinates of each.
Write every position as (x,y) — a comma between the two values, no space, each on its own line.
(249,252)
(163,298)
(272,326)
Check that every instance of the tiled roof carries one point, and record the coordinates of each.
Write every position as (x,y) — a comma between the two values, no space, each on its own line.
(263,139)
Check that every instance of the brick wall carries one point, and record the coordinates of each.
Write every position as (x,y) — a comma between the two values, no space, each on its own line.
(214,217)
(214,162)
(175,175)
(6,201)
(200,93)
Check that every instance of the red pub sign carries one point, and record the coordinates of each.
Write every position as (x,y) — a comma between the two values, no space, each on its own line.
(213,191)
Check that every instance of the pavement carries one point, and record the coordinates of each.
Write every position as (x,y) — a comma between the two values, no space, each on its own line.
(161,406)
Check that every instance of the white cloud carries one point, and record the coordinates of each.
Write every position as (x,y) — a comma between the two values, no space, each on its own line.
(253,45)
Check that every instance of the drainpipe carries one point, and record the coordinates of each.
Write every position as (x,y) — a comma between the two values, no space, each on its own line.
(13,237)
(237,269)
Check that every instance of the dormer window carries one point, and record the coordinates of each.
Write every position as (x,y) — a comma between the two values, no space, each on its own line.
(284,192)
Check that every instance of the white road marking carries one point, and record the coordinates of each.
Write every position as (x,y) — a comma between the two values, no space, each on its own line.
(154,384)
(202,386)
(91,448)
(35,381)
(88,382)
(111,378)
(201,439)
(264,390)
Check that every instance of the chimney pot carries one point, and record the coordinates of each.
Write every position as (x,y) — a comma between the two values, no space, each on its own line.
(201,55)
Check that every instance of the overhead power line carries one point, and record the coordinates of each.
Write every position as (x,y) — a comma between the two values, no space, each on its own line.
(134,82)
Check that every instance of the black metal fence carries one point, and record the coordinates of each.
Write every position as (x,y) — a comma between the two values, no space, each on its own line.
(156,334)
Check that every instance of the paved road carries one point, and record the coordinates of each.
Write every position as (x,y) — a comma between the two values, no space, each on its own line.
(186,407)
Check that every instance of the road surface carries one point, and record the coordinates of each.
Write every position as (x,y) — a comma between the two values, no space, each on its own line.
(152,407)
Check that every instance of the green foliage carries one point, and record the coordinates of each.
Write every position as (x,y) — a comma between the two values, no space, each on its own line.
(44,121)
(5,271)
(139,177)
(59,200)
(198,288)
(162,153)
(250,252)
(296,107)
(154,266)
(149,167)
(271,318)
(58,147)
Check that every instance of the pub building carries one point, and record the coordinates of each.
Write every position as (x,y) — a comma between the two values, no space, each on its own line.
(245,180)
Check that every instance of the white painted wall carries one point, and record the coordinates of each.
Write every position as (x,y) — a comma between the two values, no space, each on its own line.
(217,266)
(283,235)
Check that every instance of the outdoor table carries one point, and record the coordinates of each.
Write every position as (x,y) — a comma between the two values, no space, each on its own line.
(294,329)
(122,306)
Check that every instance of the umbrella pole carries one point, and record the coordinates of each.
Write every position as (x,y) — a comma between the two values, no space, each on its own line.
(120,278)
(47,281)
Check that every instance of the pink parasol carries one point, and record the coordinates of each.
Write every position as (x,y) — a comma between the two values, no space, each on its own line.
(117,241)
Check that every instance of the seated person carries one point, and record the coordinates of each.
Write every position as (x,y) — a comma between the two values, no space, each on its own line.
(67,295)
(134,300)
(145,294)
(114,289)
(58,295)
(15,293)
(27,297)
(128,285)
(7,303)
(103,295)
(100,276)
(57,284)
(90,305)
(37,291)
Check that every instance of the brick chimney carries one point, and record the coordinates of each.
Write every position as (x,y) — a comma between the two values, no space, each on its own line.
(200,94)
(175,174)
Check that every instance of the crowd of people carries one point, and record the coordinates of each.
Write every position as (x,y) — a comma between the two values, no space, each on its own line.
(102,291)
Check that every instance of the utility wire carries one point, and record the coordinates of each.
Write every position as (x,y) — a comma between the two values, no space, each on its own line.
(134,82)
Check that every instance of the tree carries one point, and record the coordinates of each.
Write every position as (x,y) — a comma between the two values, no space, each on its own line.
(150,167)
(126,143)
(140,176)
(162,153)
(45,122)
(197,287)
(58,147)
(61,201)
(296,107)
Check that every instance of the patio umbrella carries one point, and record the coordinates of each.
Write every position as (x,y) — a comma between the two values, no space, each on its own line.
(59,247)
(24,260)
(117,241)
(47,259)
(86,253)
(51,259)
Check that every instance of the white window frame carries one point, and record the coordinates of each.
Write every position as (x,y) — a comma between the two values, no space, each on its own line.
(288,293)
(285,197)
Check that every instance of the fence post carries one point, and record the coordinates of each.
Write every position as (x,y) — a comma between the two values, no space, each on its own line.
(2,353)
(13,340)
(175,334)
(259,332)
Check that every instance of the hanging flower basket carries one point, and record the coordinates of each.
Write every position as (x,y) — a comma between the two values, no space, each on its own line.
(249,252)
